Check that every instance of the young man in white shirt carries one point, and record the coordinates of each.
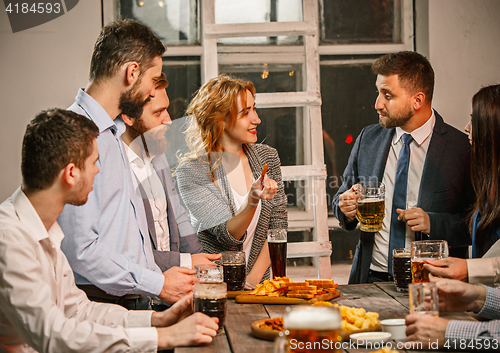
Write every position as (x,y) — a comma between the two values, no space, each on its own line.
(41,309)
(174,240)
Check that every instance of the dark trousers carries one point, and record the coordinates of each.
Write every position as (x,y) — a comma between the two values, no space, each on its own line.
(375,276)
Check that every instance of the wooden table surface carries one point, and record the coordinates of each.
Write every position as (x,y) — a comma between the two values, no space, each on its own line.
(237,336)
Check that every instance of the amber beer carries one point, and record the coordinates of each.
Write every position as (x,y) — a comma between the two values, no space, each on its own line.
(276,239)
(371,205)
(422,251)
(401,268)
(313,329)
(211,299)
(277,252)
(370,214)
(234,269)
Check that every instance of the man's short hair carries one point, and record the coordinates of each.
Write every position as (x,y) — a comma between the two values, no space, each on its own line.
(53,139)
(121,42)
(414,71)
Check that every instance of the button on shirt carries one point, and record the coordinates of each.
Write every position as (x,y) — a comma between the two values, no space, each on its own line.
(144,172)
(107,241)
(418,152)
(40,305)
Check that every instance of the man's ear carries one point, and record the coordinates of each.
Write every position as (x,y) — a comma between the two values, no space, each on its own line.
(69,174)
(127,120)
(132,72)
(419,100)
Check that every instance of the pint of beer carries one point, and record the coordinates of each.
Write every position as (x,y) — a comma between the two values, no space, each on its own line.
(209,273)
(234,267)
(426,250)
(371,205)
(276,238)
(401,268)
(424,298)
(311,329)
(211,299)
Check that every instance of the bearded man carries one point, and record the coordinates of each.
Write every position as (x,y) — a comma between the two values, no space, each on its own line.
(422,161)
(107,242)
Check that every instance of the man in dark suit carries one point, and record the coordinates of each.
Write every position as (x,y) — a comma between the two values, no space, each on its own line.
(175,243)
(437,177)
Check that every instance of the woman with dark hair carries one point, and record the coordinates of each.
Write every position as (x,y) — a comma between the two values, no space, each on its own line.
(484,135)
(231,200)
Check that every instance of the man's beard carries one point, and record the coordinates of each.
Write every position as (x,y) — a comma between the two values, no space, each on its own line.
(397,120)
(153,140)
(132,103)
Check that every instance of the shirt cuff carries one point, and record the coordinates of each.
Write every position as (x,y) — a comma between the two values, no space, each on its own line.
(151,283)
(491,308)
(139,318)
(480,271)
(143,339)
(461,329)
(186,260)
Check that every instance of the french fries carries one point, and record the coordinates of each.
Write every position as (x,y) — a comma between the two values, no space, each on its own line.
(264,169)
(354,318)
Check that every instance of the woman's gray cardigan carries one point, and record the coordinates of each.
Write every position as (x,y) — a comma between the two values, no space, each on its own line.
(211,205)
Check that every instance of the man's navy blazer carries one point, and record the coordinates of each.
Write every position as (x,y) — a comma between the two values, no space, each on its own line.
(445,192)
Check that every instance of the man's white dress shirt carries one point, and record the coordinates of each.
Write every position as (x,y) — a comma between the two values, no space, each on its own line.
(418,152)
(41,309)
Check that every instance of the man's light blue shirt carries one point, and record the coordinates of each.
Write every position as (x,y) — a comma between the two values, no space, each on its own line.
(106,240)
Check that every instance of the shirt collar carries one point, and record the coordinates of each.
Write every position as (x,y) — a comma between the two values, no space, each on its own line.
(95,112)
(419,135)
(28,215)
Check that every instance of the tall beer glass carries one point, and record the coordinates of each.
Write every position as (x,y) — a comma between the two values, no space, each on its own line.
(234,267)
(276,238)
(371,205)
(426,250)
(401,268)
(211,299)
(424,298)
(311,329)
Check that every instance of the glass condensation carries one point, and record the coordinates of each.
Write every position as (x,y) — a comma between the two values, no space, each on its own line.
(175,22)
(360,21)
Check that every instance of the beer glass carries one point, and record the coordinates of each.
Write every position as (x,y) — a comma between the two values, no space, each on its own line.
(426,250)
(276,238)
(209,273)
(424,298)
(211,299)
(234,267)
(371,205)
(401,268)
(310,329)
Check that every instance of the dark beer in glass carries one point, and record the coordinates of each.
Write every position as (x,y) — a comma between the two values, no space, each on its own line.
(211,299)
(234,268)
(401,268)
(276,238)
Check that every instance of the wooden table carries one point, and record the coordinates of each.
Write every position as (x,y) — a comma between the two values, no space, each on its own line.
(237,337)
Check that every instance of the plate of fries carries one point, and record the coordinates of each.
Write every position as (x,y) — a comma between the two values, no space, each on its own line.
(354,320)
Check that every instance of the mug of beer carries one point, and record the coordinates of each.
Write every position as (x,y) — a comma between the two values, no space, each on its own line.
(209,273)
(211,299)
(424,298)
(426,250)
(310,329)
(371,205)
(234,267)
(401,268)
(276,239)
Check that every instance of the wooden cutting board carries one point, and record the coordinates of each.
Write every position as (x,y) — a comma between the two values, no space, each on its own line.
(262,299)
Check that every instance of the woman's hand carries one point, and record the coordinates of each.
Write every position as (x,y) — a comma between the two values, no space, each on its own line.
(263,188)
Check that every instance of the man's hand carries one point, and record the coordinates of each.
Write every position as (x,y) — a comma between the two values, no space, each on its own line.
(174,314)
(195,329)
(459,296)
(204,259)
(426,329)
(416,218)
(348,202)
(450,267)
(179,281)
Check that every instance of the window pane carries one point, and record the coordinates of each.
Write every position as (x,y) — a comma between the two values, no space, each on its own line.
(173,21)
(349,95)
(360,21)
(258,11)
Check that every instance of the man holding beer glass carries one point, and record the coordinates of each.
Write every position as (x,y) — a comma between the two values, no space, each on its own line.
(422,162)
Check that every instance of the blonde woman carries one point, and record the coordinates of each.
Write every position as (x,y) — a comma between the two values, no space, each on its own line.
(232,205)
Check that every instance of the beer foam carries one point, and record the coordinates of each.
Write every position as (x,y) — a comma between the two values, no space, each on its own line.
(276,241)
(210,290)
(313,318)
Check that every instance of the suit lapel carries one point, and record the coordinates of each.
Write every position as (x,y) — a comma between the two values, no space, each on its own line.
(149,213)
